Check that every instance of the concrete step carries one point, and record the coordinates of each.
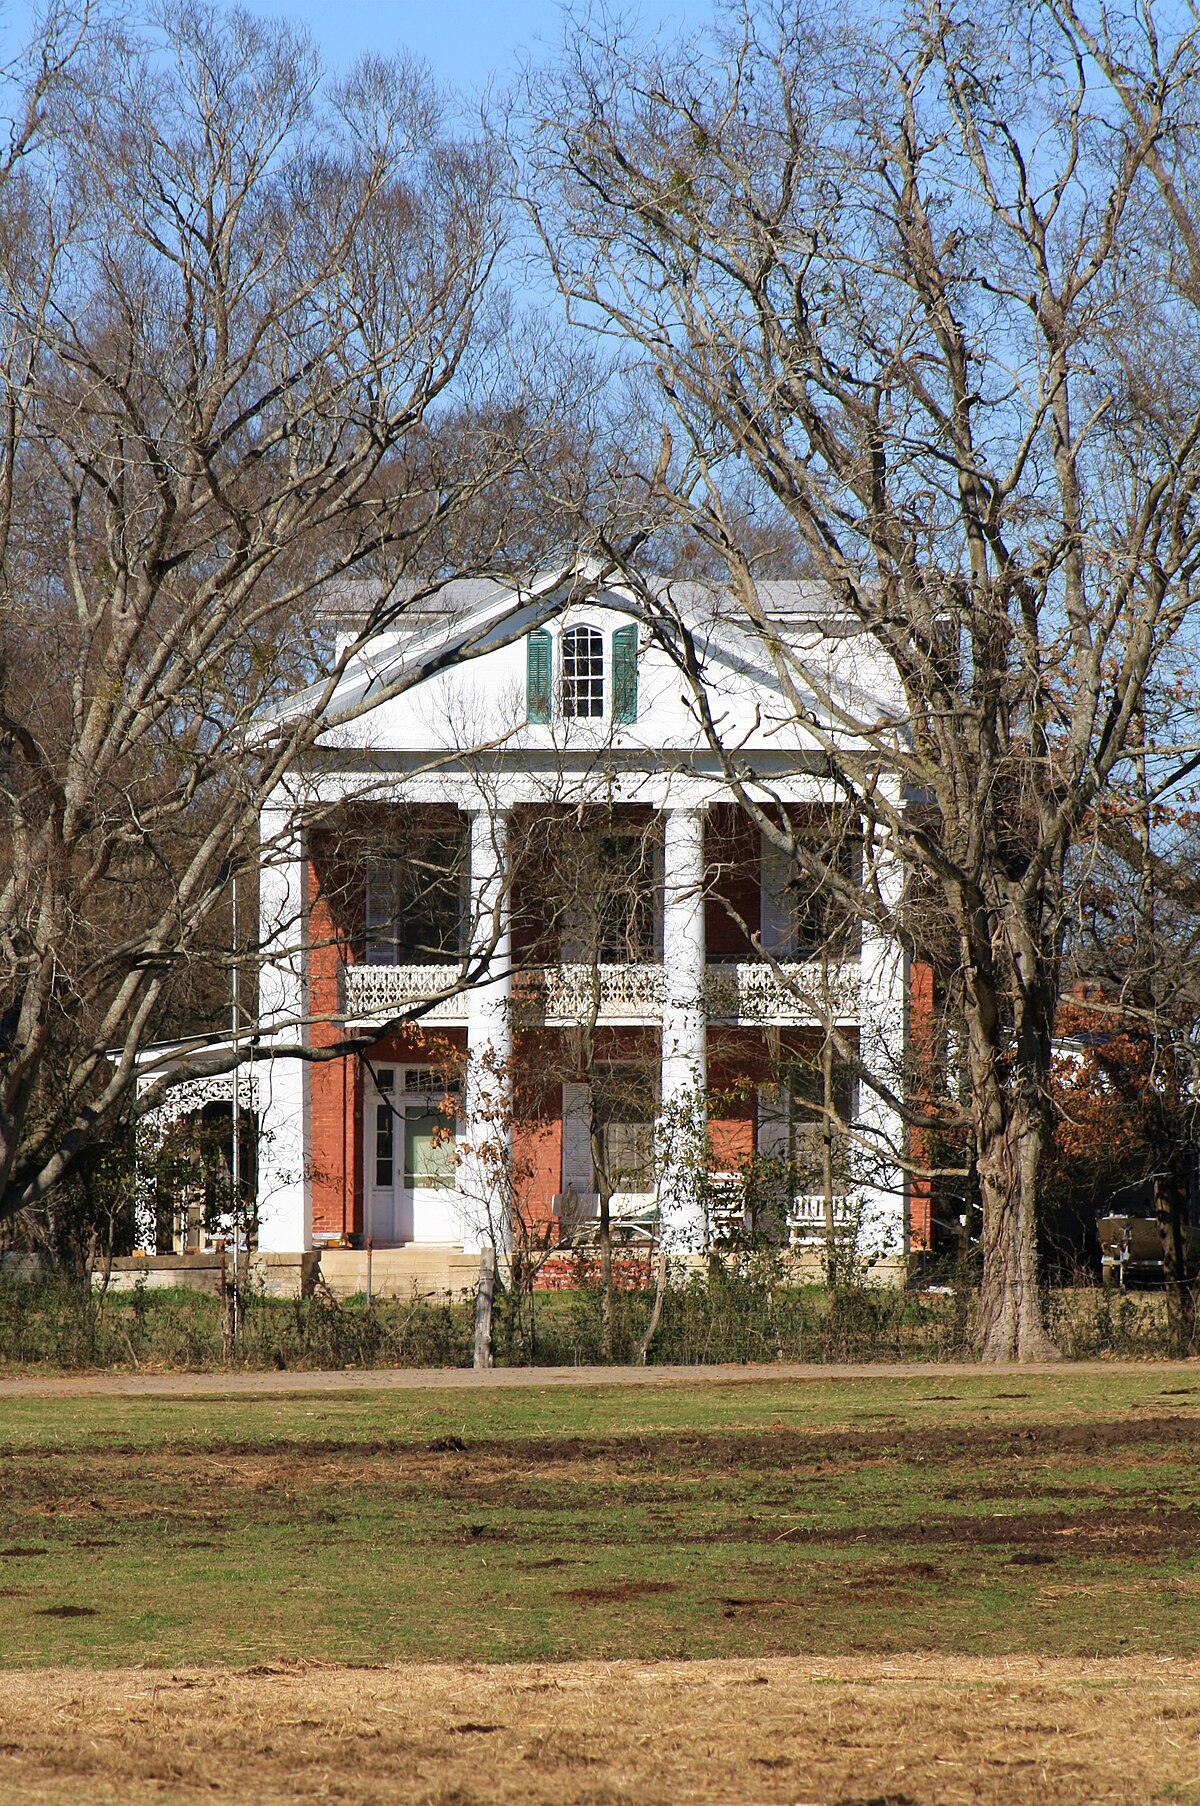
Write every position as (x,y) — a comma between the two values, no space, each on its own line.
(418,1270)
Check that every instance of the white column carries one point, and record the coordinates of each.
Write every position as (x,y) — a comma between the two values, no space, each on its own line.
(878,1182)
(684,1031)
(485,1152)
(284,1163)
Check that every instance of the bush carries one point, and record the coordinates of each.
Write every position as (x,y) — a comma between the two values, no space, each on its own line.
(62,1323)
(744,1307)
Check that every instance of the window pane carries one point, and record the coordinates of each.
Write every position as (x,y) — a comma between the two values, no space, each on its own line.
(428,1150)
(384,1144)
(430,1081)
(583,672)
(801,918)
(626,1105)
(629,1155)
(792,1124)
(627,906)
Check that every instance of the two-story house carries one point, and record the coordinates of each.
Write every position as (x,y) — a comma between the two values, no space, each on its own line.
(572,959)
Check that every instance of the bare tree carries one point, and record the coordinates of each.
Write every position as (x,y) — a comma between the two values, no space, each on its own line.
(250,341)
(929,289)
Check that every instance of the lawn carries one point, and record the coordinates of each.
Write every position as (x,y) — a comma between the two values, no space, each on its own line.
(939,1514)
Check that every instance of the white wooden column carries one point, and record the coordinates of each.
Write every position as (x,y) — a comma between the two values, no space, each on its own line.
(485,1153)
(284,1155)
(684,1031)
(878,1181)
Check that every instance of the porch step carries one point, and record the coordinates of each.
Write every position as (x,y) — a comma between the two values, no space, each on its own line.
(420,1270)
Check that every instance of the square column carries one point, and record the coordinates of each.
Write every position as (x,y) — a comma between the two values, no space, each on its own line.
(485,1151)
(284,1157)
(879,1177)
(682,1119)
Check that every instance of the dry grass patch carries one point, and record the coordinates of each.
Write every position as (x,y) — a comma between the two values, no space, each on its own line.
(914,1731)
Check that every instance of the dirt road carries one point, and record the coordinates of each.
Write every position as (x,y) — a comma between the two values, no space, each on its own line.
(405,1379)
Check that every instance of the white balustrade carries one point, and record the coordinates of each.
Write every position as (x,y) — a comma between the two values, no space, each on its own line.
(377,992)
(743,993)
(799,992)
(806,1219)
(619,993)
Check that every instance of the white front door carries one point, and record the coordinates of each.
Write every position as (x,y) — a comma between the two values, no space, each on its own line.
(409,1162)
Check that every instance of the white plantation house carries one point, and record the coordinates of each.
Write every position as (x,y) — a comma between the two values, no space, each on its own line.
(524,884)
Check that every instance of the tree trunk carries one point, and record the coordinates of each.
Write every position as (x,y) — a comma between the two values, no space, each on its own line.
(1170,1212)
(1012,1324)
(660,1292)
(832,1273)
(1010,1092)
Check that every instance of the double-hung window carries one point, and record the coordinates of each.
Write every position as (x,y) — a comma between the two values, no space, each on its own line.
(626,1103)
(583,673)
(414,901)
(796,1125)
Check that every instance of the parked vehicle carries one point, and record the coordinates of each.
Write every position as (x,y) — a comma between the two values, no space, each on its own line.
(1131,1250)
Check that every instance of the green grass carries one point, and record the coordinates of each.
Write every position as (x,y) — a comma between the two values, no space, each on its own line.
(973,1512)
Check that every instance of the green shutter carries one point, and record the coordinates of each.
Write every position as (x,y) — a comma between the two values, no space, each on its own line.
(537,676)
(624,680)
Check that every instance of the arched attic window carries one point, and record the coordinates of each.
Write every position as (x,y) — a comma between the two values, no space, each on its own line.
(582,672)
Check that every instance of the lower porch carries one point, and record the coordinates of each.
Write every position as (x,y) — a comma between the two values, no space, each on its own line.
(393,1153)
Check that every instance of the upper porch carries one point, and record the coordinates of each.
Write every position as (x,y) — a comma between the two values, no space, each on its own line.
(410,909)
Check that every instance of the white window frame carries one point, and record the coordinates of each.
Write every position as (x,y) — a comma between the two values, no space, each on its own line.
(596,678)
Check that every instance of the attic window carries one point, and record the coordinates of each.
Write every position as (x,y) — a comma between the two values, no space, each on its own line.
(582,672)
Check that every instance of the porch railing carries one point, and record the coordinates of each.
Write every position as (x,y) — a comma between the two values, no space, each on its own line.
(742,992)
(806,1219)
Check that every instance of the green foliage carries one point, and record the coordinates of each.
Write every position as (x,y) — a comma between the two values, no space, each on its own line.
(745,1307)
(59,1323)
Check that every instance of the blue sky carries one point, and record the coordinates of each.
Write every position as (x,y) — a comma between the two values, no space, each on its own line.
(467,43)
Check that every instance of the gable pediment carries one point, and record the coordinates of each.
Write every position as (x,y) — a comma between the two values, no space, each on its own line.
(570,665)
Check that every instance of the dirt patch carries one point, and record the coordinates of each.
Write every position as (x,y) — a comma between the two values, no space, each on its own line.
(619,1592)
(507,1470)
(1021,1732)
(1131,1535)
(690,1488)
(881,1576)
